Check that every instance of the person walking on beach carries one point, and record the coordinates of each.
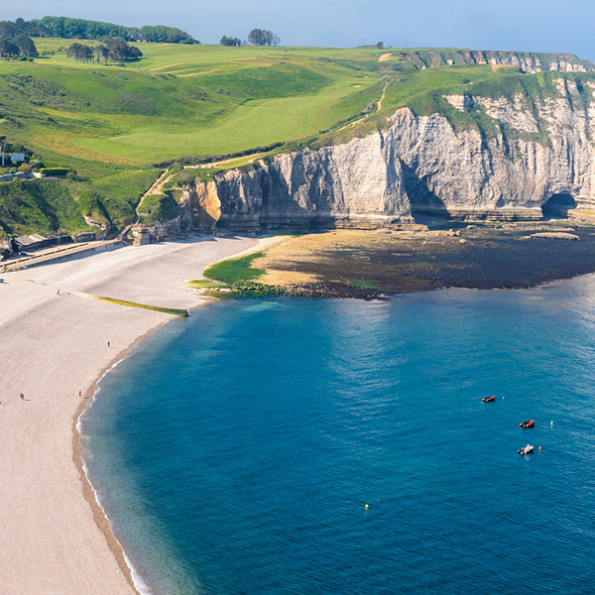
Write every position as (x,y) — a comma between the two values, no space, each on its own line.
(22,397)
(108,343)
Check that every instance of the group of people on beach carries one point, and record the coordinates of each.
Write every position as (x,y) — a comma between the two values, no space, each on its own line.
(22,395)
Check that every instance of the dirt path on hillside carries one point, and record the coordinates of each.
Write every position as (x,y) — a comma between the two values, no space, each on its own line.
(379,102)
(253,157)
(156,188)
(378,108)
(160,182)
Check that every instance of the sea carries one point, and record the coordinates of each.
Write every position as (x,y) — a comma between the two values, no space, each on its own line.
(342,446)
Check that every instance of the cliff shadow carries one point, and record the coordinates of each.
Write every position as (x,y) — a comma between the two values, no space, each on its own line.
(557,206)
(424,203)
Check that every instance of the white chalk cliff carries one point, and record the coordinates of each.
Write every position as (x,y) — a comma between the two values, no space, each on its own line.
(421,164)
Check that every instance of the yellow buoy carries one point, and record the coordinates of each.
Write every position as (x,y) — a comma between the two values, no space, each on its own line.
(367,505)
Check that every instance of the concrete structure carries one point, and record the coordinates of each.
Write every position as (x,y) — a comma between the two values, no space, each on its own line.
(141,235)
(85,236)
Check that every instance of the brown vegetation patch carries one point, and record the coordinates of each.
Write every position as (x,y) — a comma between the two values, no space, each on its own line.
(372,263)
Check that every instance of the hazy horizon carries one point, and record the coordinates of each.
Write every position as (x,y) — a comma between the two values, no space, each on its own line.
(509,25)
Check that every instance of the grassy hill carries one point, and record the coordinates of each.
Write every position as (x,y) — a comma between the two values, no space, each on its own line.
(116,126)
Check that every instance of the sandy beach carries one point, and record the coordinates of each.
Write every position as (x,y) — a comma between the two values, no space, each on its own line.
(55,344)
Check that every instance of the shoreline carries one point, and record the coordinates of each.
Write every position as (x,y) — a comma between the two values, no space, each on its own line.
(100,516)
(90,495)
(57,537)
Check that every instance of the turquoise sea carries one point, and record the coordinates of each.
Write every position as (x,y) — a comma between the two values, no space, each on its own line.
(235,452)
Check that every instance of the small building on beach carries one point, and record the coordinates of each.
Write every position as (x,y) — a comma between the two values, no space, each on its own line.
(31,242)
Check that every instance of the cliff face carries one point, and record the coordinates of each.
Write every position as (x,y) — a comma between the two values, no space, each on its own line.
(422,165)
(529,62)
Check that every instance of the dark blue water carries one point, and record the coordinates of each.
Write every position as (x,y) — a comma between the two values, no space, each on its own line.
(235,452)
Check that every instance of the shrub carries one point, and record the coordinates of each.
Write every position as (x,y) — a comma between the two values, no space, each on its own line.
(55,171)
(158,208)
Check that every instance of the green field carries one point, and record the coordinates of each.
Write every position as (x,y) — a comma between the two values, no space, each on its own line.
(197,100)
(117,127)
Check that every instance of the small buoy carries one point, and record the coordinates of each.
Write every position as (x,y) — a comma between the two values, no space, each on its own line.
(540,448)
(552,424)
(367,505)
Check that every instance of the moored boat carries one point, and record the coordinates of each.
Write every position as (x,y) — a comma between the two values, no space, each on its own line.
(489,399)
(527,424)
(526,450)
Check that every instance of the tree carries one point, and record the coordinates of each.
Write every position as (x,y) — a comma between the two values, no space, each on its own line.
(133,54)
(101,53)
(116,50)
(231,41)
(20,26)
(120,51)
(263,37)
(7,29)
(8,49)
(70,28)
(159,33)
(271,38)
(26,46)
(15,35)
(75,51)
(88,53)
(256,37)
(80,52)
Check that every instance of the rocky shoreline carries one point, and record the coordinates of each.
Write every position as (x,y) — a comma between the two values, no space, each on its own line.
(375,265)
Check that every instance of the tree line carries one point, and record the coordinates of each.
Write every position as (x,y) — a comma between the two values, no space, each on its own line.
(255,37)
(70,28)
(15,41)
(114,50)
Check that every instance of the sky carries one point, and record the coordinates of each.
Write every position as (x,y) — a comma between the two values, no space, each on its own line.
(524,25)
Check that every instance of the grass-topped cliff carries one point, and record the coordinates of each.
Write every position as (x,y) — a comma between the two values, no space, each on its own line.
(117,127)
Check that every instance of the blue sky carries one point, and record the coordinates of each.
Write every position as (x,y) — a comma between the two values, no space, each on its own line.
(539,25)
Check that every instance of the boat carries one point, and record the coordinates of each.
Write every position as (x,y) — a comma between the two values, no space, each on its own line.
(527,424)
(489,399)
(526,450)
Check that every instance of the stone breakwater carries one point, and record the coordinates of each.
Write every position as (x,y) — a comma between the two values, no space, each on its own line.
(540,156)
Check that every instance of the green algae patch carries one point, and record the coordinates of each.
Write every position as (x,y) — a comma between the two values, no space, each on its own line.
(235,278)
(171,311)
(206,284)
(235,270)
(363,284)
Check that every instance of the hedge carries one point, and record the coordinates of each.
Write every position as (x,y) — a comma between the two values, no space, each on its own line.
(54,171)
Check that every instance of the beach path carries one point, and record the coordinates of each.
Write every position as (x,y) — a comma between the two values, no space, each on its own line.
(53,344)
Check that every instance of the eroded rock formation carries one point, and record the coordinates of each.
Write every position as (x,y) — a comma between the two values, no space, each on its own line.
(422,165)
